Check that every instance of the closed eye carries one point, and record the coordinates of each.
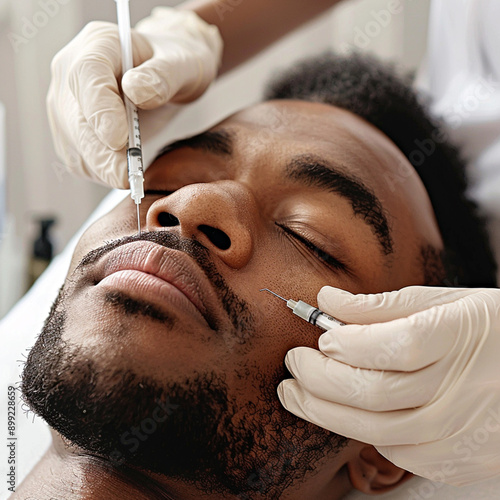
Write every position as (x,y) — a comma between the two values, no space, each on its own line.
(320,254)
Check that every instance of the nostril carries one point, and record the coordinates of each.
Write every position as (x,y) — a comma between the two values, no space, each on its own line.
(219,238)
(167,220)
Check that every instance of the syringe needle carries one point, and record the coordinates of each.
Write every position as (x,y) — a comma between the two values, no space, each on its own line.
(138,219)
(309,313)
(270,291)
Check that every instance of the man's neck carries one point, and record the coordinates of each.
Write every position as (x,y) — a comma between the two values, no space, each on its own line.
(72,476)
(67,473)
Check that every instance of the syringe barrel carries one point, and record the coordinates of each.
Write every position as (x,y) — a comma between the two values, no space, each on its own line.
(313,315)
(125,33)
(327,322)
(134,132)
(135,174)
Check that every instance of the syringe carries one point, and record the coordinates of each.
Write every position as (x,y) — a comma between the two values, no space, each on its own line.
(134,148)
(310,313)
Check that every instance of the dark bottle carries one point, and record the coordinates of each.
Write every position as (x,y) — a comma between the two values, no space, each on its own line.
(43,250)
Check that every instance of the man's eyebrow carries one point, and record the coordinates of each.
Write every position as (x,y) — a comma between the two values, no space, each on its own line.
(219,142)
(318,172)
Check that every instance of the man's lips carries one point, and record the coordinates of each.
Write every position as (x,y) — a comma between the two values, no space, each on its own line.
(165,265)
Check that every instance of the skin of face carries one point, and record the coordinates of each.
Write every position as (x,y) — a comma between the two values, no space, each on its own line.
(245,196)
(258,213)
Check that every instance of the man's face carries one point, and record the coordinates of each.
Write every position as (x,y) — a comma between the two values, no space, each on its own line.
(285,195)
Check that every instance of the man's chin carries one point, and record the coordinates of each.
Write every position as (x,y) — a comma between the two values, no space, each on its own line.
(117,414)
(190,430)
(165,427)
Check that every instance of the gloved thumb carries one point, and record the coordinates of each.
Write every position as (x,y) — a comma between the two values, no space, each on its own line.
(387,306)
(153,83)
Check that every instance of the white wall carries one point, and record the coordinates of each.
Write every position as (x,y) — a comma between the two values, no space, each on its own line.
(32,31)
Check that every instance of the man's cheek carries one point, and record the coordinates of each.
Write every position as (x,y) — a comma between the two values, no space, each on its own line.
(277,334)
(89,323)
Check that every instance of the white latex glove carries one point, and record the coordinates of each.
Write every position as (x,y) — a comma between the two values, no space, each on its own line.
(177,56)
(418,377)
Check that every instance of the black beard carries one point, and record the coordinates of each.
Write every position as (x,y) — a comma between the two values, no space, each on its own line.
(191,430)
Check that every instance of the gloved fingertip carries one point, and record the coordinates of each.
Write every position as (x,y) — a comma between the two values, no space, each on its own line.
(332,300)
(146,90)
(279,389)
(112,130)
(116,182)
(283,391)
(329,293)
(327,341)
(290,361)
(332,289)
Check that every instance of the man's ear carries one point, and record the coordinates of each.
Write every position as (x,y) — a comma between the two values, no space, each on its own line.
(371,473)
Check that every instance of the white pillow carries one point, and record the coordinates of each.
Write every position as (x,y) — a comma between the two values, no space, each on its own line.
(18,331)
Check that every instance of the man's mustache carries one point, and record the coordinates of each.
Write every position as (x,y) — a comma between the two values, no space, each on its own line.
(235,307)
(166,239)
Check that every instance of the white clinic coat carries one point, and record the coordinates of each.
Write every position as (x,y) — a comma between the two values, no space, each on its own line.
(462,75)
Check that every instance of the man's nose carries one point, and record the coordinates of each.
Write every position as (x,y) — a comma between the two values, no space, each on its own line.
(220,215)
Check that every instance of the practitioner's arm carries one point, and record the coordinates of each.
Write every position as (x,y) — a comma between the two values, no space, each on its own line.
(249,26)
(177,53)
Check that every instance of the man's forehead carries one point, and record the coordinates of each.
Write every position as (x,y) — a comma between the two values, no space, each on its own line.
(274,132)
(287,116)
(295,126)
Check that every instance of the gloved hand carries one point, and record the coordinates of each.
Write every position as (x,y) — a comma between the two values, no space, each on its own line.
(418,377)
(176,57)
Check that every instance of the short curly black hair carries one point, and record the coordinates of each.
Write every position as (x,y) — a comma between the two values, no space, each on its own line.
(373,90)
